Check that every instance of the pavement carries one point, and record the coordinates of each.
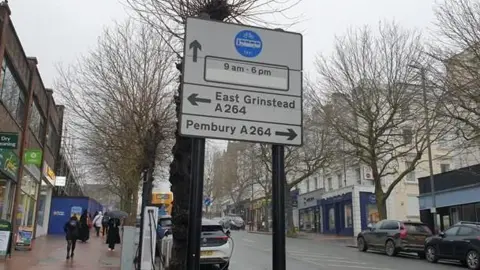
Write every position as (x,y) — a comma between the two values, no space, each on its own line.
(254,251)
(49,253)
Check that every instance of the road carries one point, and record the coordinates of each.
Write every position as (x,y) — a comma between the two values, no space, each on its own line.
(254,251)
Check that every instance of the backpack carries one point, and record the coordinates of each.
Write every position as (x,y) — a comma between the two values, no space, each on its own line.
(105,220)
(73,223)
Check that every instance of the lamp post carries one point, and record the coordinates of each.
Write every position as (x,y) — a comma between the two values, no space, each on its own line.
(433,209)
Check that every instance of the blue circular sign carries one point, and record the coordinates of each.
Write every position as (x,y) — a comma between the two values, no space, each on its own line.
(248,43)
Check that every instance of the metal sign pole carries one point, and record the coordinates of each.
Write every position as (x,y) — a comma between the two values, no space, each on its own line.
(196,194)
(278,206)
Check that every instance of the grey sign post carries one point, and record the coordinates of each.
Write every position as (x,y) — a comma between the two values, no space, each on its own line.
(241,83)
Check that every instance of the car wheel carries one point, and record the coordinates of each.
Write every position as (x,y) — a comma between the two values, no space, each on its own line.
(224,266)
(431,254)
(421,255)
(361,245)
(390,248)
(473,260)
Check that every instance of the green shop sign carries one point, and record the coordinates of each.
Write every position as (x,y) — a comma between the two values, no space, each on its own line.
(34,157)
(9,163)
(8,140)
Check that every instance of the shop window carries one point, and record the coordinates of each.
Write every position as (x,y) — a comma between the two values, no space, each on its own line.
(411,175)
(372,215)
(468,212)
(11,95)
(331,218)
(5,199)
(348,216)
(42,201)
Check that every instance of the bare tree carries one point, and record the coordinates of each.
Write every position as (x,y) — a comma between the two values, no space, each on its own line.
(120,99)
(213,154)
(369,93)
(168,18)
(458,24)
(302,162)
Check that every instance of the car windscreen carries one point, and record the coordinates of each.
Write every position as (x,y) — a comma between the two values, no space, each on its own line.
(417,228)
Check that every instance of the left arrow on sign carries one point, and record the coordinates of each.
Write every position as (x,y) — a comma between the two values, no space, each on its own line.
(195,45)
(194,99)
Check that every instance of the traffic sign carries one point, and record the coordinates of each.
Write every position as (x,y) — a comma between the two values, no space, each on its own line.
(241,83)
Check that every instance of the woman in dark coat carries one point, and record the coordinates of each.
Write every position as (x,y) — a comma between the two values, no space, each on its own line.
(71,229)
(113,235)
(84,229)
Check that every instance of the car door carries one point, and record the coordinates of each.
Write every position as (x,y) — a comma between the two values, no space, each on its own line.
(446,244)
(371,235)
(461,243)
(389,227)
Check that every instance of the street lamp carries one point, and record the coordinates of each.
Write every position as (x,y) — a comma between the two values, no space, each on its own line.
(429,147)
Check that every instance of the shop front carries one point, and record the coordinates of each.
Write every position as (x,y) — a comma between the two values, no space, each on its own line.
(8,177)
(44,199)
(309,214)
(338,214)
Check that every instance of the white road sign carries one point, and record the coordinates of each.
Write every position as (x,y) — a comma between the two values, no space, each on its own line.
(242,83)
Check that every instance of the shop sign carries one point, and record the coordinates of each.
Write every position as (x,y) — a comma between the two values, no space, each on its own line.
(48,173)
(60,181)
(24,238)
(8,140)
(33,156)
(9,163)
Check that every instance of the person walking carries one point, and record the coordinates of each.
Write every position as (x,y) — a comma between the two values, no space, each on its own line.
(71,229)
(105,220)
(113,234)
(97,222)
(84,230)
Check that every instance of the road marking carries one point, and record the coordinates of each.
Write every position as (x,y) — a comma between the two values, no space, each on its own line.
(248,240)
(358,267)
(316,256)
(343,261)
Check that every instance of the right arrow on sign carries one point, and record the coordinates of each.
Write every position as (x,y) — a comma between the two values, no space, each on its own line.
(194,99)
(291,134)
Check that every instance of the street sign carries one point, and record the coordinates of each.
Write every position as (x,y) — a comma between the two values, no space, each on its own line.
(242,83)
(207,202)
(8,140)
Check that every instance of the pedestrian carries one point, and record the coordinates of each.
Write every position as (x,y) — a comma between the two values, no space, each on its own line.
(113,234)
(105,220)
(97,222)
(84,230)
(71,229)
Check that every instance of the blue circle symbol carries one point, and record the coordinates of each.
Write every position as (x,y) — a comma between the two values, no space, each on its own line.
(248,43)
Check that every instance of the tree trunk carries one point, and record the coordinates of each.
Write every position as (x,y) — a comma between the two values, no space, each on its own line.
(382,207)
(129,206)
(180,179)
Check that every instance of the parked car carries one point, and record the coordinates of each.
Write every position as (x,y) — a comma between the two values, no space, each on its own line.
(395,236)
(215,246)
(233,222)
(460,242)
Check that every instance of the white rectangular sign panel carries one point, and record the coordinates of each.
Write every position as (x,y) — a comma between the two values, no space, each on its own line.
(238,77)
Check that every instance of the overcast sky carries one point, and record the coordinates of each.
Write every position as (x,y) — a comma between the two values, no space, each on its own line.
(58,31)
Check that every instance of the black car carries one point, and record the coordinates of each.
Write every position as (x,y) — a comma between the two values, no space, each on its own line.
(459,242)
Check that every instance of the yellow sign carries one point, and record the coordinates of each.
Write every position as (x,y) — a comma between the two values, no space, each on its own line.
(48,173)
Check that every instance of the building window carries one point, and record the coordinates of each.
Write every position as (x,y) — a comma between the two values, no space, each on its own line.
(411,175)
(340,180)
(348,216)
(316,182)
(308,185)
(413,208)
(11,95)
(407,136)
(37,122)
(358,175)
(444,167)
(329,182)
